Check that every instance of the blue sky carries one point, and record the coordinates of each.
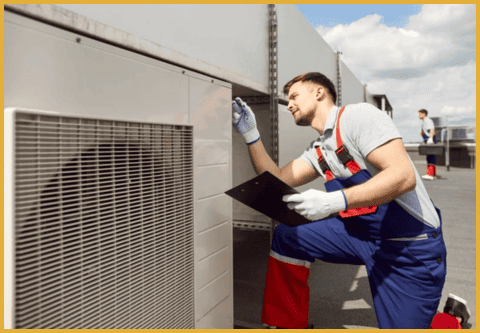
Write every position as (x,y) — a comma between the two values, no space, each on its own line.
(420,56)
(331,15)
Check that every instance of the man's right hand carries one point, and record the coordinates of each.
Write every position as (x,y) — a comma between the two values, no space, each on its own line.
(244,121)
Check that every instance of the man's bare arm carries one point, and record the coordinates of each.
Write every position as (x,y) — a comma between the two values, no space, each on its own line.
(295,173)
(396,177)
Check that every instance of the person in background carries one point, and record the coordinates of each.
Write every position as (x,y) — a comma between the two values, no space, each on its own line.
(428,134)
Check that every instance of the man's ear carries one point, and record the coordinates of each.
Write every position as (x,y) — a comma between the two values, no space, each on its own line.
(320,91)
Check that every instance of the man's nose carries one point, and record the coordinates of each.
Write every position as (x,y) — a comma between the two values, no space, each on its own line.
(289,106)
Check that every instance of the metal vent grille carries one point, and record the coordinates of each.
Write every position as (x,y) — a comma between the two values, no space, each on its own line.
(103,224)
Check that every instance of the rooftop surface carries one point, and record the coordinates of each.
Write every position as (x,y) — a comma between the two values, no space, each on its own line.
(340,294)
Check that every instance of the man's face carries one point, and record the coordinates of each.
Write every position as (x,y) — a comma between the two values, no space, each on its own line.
(302,101)
(421,115)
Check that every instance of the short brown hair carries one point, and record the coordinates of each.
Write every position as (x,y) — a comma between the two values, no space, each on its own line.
(316,77)
(425,112)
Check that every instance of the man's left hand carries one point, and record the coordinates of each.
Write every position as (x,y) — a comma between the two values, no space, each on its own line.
(430,141)
(315,204)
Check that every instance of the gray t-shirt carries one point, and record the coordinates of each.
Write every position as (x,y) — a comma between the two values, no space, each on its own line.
(363,128)
(427,125)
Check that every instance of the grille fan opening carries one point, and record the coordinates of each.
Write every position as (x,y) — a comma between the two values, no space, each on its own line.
(103,224)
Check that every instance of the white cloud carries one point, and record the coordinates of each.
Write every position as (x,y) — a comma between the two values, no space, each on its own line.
(409,33)
(429,63)
(448,18)
(444,91)
(435,36)
(452,110)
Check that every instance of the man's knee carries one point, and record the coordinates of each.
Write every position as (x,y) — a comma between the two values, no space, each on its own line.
(280,235)
(287,241)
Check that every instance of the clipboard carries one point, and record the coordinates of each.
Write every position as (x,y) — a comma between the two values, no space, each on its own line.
(264,194)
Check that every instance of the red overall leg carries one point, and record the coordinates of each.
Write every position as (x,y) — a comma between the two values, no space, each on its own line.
(431,170)
(286,295)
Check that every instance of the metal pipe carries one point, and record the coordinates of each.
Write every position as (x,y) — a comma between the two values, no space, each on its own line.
(447,152)
(339,79)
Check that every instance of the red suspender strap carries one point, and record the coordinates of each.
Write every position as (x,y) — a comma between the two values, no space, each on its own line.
(324,166)
(342,151)
(349,162)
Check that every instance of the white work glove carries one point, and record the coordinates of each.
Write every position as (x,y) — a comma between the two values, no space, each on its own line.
(244,121)
(316,205)
(430,141)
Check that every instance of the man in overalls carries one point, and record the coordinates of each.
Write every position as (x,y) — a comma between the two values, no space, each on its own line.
(428,135)
(375,211)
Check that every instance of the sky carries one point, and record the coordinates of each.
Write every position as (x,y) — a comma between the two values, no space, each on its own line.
(419,56)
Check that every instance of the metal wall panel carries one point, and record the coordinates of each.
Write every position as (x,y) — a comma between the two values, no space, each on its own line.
(211,111)
(213,211)
(237,32)
(352,88)
(242,165)
(211,116)
(212,181)
(212,295)
(212,152)
(212,240)
(48,70)
(164,31)
(219,317)
(300,48)
(213,266)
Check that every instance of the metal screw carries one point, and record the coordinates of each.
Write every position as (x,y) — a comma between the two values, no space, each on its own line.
(78,40)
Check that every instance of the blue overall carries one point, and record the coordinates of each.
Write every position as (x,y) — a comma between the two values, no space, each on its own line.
(431,159)
(406,276)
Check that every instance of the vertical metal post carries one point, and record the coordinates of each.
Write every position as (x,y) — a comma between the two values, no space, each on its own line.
(273,77)
(339,79)
(447,152)
(273,87)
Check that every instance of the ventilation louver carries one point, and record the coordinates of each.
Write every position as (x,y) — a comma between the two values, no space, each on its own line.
(103,223)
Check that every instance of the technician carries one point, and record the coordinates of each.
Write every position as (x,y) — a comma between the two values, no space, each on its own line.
(428,135)
(375,211)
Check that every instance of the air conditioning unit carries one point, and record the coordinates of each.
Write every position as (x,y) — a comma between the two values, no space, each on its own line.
(438,122)
(98,223)
(458,133)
